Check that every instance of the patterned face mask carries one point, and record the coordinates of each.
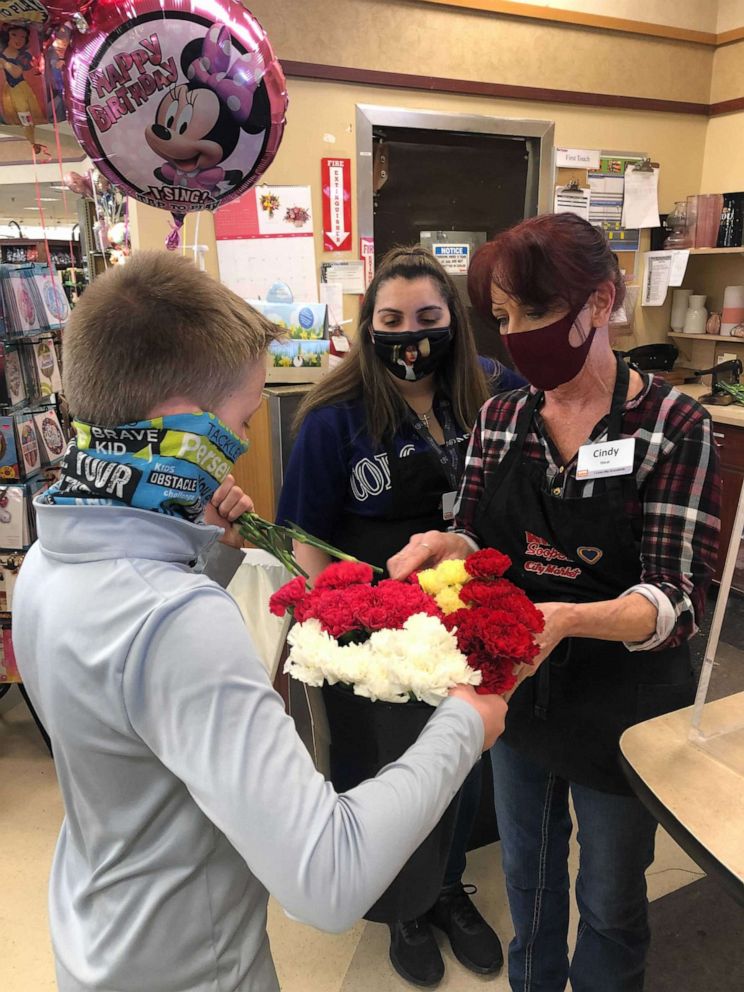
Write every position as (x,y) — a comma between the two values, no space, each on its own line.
(415,355)
(171,465)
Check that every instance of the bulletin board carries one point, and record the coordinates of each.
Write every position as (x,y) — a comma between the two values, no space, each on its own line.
(596,192)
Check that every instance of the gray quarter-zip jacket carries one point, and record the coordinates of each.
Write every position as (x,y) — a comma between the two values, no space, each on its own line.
(188,796)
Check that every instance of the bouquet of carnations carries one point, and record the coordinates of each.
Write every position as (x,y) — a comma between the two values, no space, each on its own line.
(461,622)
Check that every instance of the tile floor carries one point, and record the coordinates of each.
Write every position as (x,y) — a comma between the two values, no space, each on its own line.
(306,960)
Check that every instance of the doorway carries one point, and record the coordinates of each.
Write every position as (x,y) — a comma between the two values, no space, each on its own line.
(450,182)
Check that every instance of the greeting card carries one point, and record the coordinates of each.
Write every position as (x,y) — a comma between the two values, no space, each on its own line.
(9,467)
(28,445)
(50,436)
(47,367)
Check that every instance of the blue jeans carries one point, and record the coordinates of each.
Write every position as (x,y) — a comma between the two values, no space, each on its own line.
(616,841)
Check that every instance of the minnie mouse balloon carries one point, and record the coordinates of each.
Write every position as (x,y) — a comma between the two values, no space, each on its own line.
(180,103)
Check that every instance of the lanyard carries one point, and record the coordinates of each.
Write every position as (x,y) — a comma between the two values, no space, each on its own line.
(449,454)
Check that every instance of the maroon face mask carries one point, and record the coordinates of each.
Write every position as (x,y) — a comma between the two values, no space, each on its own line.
(545,356)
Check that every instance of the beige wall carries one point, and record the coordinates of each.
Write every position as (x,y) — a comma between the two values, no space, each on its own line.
(320,110)
(416,38)
(699,15)
(730,14)
(411,37)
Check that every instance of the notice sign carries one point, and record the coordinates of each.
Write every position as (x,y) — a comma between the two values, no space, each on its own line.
(336,186)
(454,258)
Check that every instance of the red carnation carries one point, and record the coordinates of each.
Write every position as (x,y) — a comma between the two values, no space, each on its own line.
(344,573)
(488,563)
(288,597)
(487,592)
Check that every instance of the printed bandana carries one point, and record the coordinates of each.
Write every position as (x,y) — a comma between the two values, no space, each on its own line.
(171,465)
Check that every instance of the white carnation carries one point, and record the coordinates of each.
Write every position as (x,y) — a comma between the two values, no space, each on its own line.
(422,659)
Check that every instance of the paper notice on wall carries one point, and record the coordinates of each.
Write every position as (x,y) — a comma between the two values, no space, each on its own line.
(641,203)
(350,275)
(656,278)
(572,201)
(606,199)
(678,266)
(332,294)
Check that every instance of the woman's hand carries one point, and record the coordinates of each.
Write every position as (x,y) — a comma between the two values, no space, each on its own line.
(228,503)
(491,709)
(557,618)
(427,550)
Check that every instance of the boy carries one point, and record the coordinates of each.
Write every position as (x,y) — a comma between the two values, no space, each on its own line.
(188,795)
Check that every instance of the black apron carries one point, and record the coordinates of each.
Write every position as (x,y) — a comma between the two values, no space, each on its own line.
(417,483)
(568,718)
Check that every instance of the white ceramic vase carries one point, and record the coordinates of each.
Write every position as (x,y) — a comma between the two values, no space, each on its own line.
(696,316)
(680,303)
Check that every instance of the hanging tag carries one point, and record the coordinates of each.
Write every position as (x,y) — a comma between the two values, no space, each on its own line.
(449,505)
(605,458)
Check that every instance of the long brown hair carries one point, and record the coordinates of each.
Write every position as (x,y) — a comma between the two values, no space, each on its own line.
(363,374)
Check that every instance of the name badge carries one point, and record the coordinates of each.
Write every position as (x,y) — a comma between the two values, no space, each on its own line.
(606,458)
(449,505)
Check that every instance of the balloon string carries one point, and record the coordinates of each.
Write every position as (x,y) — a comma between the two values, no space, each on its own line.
(50,97)
(41,211)
(197,256)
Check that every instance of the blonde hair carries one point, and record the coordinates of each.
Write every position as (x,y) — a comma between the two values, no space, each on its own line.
(154,329)
(362,373)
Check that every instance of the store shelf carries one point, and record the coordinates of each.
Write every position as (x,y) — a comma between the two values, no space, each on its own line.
(706,337)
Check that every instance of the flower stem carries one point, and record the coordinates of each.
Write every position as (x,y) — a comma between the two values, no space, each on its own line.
(276,540)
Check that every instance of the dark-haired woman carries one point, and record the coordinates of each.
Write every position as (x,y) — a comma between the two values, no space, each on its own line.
(379,456)
(602,485)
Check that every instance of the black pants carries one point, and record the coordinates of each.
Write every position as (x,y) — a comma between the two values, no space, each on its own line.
(466,815)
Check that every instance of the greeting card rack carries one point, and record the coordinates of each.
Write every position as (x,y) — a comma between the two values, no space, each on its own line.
(33,429)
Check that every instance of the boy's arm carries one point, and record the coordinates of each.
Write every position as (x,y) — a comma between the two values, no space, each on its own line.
(199,698)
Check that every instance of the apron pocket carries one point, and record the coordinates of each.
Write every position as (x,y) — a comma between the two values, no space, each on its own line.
(655,700)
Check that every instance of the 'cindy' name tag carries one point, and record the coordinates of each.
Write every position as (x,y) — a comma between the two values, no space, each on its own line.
(605,458)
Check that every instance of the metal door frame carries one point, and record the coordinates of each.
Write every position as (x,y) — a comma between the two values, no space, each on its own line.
(539,134)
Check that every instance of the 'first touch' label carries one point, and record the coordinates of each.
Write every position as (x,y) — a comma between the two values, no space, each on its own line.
(605,458)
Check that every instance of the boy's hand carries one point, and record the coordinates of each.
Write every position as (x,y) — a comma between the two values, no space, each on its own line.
(228,503)
(491,709)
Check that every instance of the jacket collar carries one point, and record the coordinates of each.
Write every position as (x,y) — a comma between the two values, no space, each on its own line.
(88,532)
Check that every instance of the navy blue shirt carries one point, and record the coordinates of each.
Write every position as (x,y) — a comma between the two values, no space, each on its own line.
(334,468)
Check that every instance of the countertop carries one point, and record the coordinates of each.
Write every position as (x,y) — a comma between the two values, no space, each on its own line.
(732,414)
(696,792)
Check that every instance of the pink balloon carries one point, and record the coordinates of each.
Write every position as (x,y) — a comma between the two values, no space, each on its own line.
(180,103)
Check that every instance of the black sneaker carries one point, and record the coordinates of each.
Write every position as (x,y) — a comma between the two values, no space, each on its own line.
(474,942)
(414,953)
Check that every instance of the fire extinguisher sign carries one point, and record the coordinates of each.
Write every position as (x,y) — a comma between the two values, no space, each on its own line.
(336,185)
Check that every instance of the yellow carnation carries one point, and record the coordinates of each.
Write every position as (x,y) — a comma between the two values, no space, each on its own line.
(448,599)
(452,573)
(447,573)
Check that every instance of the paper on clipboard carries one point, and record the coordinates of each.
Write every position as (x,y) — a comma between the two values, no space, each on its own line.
(573,201)
(656,277)
(641,203)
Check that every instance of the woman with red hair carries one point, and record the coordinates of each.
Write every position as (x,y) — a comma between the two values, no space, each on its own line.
(601,483)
